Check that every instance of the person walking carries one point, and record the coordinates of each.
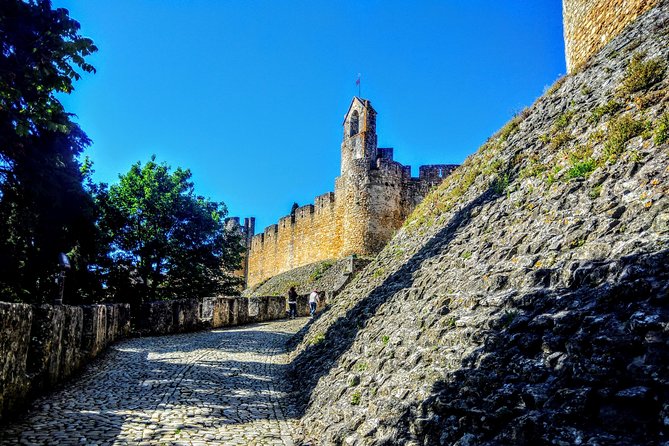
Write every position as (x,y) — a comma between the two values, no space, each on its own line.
(314,300)
(292,303)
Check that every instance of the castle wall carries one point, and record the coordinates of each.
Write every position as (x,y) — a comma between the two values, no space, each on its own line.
(312,234)
(372,198)
(591,24)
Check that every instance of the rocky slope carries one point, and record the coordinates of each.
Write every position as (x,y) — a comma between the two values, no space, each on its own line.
(526,300)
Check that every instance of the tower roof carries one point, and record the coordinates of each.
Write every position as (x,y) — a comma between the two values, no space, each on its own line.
(364,102)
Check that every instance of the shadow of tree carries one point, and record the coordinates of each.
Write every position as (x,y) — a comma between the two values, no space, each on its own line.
(166,388)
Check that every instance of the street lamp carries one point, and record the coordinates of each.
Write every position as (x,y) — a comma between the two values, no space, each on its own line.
(64,264)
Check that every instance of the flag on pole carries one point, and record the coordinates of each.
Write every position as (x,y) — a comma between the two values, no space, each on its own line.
(357,81)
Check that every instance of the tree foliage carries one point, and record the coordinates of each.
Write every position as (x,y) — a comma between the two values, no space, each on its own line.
(166,242)
(43,206)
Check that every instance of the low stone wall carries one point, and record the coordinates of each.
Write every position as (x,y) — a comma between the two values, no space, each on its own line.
(41,345)
(15,323)
(184,315)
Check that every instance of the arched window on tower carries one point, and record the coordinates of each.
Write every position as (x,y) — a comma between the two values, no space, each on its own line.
(354,123)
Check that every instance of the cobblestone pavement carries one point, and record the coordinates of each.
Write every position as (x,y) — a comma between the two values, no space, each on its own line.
(221,387)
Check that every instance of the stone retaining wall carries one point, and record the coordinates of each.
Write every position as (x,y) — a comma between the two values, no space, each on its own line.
(41,345)
(184,315)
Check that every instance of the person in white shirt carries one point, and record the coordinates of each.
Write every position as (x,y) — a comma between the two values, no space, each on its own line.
(314,300)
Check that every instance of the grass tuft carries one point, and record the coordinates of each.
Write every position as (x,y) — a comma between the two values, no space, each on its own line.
(662,130)
(641,75)
(620,131)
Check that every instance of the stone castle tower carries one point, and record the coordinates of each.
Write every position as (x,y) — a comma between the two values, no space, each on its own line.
(591,24)
(373,196)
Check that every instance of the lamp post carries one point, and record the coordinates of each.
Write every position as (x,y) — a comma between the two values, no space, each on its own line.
(64,264)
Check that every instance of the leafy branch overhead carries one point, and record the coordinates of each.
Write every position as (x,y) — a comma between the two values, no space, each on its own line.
(43,205)
(175,241)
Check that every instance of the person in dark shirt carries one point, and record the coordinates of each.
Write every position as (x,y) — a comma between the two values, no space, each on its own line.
(292,303)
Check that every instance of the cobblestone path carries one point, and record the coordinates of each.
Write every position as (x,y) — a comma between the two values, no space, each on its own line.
(221,387)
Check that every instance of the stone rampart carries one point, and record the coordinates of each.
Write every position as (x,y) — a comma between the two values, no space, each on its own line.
(43,344)
(591,24)
(367,207)
(310,234)
(40,345)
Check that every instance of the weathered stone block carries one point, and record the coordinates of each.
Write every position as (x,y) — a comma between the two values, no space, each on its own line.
(223,312)
(15,323)
(156,317)
(46,343)
(72,356)
(241,311)
(186,315)
(94,336)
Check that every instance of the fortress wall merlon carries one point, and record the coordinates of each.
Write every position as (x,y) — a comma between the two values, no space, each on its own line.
(324,201)
(304,212)
(435,172)
(271,231)
(257,240)
(286,221)
(385,153)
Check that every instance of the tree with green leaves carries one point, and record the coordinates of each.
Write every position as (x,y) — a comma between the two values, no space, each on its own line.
(166,241)
(43,206)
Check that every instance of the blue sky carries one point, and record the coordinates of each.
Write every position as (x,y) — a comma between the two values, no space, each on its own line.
(250,95)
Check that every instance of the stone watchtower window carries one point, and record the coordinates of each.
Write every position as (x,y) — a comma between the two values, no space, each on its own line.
(354,123)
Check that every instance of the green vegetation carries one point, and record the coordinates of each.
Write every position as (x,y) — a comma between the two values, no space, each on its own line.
(560,139)
(556,85)
(466,255)
(355,398)
(577,243)
(320,337)
(621,130)
(361,366)
(510,128)
(581,169)
(385,339)
(581,162)
(501,184)
(610,108)
(533,168)
(562,121)
(45,208)
(378,272)
(595,192)
(174,240)
(641,75)
(450,322)
(662,129)
(320,270)
(649,99)
(552,175)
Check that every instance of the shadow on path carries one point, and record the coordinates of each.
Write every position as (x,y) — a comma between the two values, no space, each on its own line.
(147,389)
